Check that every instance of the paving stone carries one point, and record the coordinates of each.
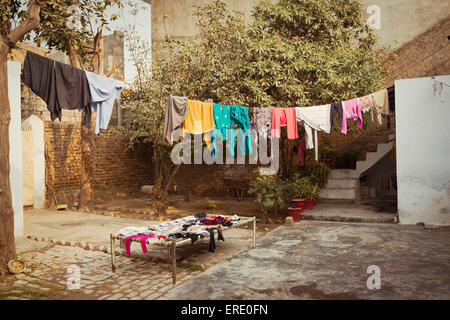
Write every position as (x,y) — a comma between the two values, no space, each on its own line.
(116,296)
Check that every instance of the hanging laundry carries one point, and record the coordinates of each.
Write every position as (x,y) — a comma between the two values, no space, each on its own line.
(176,112)
(391,99)
(241,121)
(262,123)
(336,108)
(104,92)
(380,101)
(61,86)
(365,103)
(317,118)
(199,118)
(351,111)
(222,126)
(284,117)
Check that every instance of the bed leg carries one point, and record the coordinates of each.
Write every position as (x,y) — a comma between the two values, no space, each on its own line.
(254,232)
(174,261)
(113,262)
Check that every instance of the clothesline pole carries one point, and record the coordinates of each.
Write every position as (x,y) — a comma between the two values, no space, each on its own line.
(254,232)
(113,263)
(174,261)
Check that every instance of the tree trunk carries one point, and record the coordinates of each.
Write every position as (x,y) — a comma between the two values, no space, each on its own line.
(7,245)
(87,142)
(87,165)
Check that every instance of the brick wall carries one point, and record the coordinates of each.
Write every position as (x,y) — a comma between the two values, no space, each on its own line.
(116,167)
(427,55)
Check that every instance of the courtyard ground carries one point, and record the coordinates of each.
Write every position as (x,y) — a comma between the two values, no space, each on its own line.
(329,260)
(308,260)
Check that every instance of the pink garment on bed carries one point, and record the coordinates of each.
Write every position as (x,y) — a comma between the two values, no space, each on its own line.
(284,117)
(351,110)
(143,240)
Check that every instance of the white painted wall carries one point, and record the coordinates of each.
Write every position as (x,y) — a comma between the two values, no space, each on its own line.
(37,128)
(15,141)
(423,151)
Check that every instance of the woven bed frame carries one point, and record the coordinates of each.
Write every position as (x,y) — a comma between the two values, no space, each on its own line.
(173,244)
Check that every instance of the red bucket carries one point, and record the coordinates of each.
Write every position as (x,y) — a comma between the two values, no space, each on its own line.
(295,213)
(310,204)
(299,203)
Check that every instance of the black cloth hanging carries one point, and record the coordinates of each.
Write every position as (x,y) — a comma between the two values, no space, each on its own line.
(61,86)
(336,108)
(391,98)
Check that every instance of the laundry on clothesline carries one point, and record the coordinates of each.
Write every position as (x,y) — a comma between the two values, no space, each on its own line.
(237,126)
(62,86)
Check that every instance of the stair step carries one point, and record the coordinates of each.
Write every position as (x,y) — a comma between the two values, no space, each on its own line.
(329,193)
(343,174)
(342,183)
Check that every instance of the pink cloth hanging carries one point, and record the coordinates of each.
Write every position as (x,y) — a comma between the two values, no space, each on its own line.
(284,117)
(143,240)
(351,110)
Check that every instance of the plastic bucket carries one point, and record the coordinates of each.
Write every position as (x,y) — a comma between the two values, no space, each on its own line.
(299,203)
(310,204)
(295,213)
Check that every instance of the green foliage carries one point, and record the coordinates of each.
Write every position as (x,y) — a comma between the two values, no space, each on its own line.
(308,52)
(58,27)
(350,155)
(327,153)
(274,193)
(9,13)
(269,191)
(318,173)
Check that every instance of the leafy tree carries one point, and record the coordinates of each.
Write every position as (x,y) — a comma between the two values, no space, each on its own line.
(295,53)
(51,19)
(308,52)
(196,68)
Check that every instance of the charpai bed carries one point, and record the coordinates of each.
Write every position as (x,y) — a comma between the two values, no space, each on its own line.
(173,243)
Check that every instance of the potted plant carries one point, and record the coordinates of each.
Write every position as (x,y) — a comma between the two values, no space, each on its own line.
(350,157)
(312,193)
(329,156)
(318,173)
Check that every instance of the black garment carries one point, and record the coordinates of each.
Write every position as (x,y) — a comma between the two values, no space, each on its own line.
(391,98)
(200,215)
(336,108)
(212,241)
(59,85)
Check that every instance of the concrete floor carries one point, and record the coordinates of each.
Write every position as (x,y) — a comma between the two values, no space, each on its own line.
(329,260)
(345,212)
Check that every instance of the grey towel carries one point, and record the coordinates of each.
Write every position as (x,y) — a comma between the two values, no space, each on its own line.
(176,112)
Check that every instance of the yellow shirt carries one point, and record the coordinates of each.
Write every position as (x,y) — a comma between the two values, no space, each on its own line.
(200,117)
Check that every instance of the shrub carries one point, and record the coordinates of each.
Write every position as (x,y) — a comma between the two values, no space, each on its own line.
(318,173)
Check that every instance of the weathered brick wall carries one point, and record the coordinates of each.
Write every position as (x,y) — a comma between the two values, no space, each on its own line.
(427,55)
(206,180)
(63,162)
(116,168)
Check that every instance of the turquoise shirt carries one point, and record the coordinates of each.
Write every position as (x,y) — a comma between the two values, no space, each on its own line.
(226,120)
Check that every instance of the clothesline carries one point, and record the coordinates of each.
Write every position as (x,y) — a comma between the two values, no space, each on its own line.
(215,120)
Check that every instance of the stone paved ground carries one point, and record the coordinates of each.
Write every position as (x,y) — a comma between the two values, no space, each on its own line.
(329,260)
(135,278)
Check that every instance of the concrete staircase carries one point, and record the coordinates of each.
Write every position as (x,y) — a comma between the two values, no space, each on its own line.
(343,184)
